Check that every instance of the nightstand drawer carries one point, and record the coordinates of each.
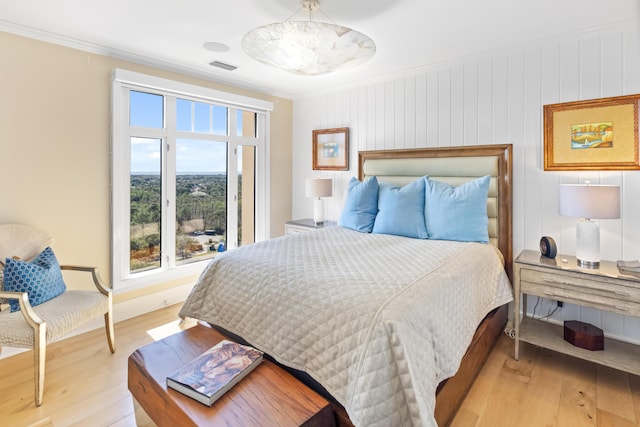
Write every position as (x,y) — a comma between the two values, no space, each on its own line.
(581,297)
(580,284)
(303,225)
(580,290)
(293,229)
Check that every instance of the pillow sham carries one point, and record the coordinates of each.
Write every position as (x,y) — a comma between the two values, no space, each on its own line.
(41,278)
(361,205)
(401,210)
(457,213)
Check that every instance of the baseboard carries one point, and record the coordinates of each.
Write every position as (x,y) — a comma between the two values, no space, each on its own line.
(124,310)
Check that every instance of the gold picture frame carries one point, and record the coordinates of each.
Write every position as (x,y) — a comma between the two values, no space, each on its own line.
(597,134)
(331,149)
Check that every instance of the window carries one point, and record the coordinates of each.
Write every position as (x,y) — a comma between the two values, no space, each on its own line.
(188,175)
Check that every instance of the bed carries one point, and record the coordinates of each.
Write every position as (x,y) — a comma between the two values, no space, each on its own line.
(380,322)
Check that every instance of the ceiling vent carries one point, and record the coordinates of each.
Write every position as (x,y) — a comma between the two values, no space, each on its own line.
(222,65)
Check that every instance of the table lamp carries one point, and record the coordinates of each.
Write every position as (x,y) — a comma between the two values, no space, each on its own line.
(589,202)
(318,188)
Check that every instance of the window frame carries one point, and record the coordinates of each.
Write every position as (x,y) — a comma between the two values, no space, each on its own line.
(122,82)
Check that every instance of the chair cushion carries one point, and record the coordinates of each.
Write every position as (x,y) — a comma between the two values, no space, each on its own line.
(22,241)
(63,314)
(41,278)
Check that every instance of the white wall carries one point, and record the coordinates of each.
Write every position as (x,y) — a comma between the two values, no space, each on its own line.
(493,98)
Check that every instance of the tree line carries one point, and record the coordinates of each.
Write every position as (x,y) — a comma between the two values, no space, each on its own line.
(200,205)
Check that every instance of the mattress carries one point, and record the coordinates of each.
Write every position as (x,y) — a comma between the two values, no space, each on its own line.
(378,320)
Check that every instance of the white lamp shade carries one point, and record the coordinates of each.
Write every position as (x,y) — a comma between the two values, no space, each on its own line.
(319,187)
(589,201)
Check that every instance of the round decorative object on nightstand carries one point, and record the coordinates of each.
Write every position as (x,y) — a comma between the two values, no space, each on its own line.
(548,247)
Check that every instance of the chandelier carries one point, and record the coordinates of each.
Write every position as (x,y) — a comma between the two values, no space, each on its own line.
(308,47)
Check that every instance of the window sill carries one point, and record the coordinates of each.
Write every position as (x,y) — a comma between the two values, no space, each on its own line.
(143,280)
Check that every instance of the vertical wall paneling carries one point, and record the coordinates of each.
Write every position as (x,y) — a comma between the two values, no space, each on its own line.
(408,135)
(389,115)
(493,98)
(500,100)
(457,105)
(552,223)
(421,110)
(631,60)
(357,128)
(612,67)
(570,72)
(380,110)
(591,68)
(367,98)
(515,134)
(470,112)
(399,114)
(433,111)
(444,108)
(485,101)
(631,180)
(531,182)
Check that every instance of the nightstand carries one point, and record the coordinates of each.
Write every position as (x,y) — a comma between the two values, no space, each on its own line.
(561,279)
(302,225)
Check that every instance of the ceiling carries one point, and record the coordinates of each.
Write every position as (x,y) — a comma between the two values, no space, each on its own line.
(409,34)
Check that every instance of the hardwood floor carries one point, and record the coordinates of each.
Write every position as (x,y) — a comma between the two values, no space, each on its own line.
(545,388)
(85,385)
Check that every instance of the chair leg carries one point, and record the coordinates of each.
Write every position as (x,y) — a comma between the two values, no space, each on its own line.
(108,323)
(40,356)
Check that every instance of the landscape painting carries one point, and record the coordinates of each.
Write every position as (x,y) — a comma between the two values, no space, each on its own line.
(330,149)
(592,135)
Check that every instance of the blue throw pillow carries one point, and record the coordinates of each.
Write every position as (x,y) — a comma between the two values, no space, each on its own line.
(361,206)
(41,278)
(457,213)
(401,210)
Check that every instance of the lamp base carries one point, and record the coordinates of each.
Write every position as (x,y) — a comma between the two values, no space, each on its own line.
(318,211)
(588,264)
(588,243)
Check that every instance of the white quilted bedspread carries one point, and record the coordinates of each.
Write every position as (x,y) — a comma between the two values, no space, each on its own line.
(378,320)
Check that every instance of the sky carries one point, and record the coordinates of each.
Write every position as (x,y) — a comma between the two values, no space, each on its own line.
(192,155)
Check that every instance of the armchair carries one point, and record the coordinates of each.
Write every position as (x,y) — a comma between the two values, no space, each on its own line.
(35,326)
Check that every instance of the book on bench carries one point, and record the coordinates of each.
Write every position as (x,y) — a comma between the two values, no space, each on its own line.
(211,374)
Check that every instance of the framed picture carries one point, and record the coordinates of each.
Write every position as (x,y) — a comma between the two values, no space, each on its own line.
(331,149)
(598,134)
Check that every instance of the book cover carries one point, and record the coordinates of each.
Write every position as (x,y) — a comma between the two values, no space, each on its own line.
(211,374)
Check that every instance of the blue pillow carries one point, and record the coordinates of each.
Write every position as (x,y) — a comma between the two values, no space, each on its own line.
(457,213)
(401,210)
(361,206)
(41,278)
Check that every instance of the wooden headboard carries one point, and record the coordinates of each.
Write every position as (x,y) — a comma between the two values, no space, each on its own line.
(454,165)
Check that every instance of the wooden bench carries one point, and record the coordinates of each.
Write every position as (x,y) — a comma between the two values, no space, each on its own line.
(268,396)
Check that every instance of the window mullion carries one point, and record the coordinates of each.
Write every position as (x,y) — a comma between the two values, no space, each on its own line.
(232,181)
(169,226)
(263,183)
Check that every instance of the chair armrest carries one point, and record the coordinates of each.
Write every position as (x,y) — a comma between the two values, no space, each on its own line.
(97,280)
(25,307)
